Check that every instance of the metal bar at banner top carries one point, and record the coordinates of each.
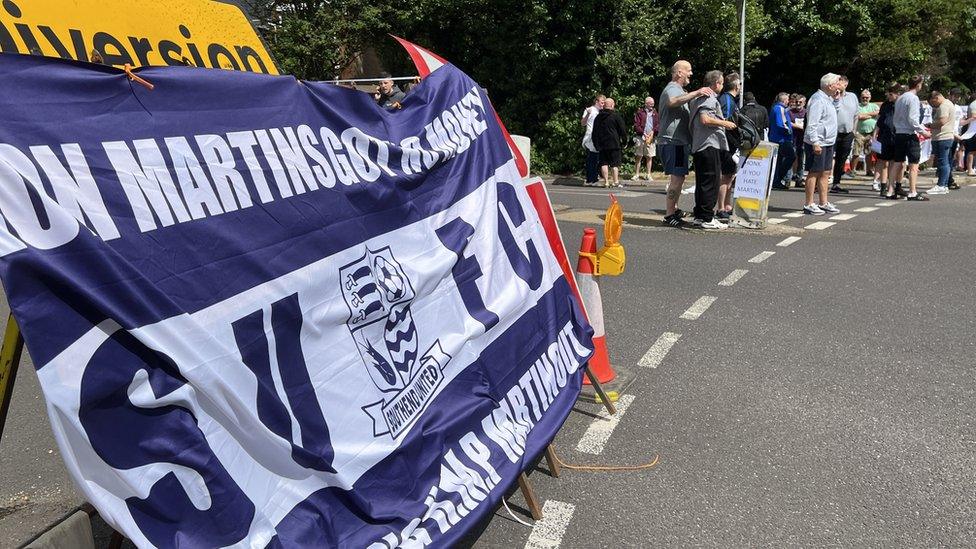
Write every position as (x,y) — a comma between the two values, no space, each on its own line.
(13,346)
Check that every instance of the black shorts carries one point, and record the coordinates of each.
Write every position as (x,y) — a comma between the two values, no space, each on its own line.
(674,158)
(727,162)
(906,145)
(887,149)
(822,162)
(611,157)
(970,144)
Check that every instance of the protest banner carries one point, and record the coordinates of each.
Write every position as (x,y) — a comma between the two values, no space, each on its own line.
(271,312)
(752,184)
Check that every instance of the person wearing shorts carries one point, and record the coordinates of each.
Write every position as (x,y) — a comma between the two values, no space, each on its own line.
(819,137)
(645,127)
(675,135)
(908,127)
(609,134)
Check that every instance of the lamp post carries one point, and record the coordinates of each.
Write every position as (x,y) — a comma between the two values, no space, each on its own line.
(742,50)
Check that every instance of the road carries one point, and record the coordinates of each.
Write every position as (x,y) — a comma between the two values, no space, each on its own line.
(824,397)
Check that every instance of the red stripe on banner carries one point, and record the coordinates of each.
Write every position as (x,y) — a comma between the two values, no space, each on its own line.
(523,168)
(540,201)
(413,51)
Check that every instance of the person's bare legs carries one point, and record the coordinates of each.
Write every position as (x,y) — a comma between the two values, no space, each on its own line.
(637,168)
(650,159)
(882,172)
(606,175)
(809,184)
(616,176)
(673,193)
(822,183)
(894,176)
(912,178)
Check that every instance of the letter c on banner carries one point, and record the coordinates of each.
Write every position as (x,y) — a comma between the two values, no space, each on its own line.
(21,191)
(528,268)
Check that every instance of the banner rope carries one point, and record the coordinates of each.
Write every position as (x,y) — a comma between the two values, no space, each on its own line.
(602,468)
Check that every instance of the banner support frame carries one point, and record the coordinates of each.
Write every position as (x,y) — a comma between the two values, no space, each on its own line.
(10,354)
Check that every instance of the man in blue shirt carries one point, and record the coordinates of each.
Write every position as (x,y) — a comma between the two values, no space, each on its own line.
(781,133)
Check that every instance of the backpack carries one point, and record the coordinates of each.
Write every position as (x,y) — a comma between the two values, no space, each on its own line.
(732,136)
(747,135)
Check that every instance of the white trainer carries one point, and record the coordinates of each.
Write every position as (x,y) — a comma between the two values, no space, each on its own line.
(812,209)
(829,208)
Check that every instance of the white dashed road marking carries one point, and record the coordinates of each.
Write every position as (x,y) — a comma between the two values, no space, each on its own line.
(842,217)
(598,433)
(733,277)
(700,306)
(793,214)
(762,257)
(866,209)
(548,532)
(787,241)
(776,220)
(820,225)
(655,355)
(886,204)
(847,201)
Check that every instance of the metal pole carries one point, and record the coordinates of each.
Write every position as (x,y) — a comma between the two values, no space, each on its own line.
(742,51)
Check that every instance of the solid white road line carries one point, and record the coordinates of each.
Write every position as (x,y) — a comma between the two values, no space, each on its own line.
(820,225)
(793,214)
(733,277)
(787,241)
(886,204)
(866,209)
(762,257)
(842,217)
(776,220)
(598,433)
(655,355)
(548,532)
(847,201)
(699,307)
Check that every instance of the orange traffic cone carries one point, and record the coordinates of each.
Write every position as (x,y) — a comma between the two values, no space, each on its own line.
(589,289)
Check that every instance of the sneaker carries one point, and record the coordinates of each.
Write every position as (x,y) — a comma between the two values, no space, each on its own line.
(673,221)
(723,215)
(713,225)
(812,209)
(890,196)
(836,189)
(937,190)
(636,178)
(954,187)
(591,184)
(876,186)
(918,198)
(680,213)
(971,173)
(829,208)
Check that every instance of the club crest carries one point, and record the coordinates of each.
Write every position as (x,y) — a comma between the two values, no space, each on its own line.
(379,295)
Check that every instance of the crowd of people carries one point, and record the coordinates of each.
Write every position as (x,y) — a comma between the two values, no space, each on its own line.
(822,140)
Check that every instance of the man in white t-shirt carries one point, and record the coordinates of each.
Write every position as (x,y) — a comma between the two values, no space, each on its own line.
(592,156)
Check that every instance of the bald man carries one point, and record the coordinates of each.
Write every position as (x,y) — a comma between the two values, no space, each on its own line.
(674,137)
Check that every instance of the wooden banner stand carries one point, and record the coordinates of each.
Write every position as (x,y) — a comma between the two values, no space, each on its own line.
(13,347)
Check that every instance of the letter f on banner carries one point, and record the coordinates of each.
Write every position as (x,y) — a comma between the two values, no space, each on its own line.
(314,451)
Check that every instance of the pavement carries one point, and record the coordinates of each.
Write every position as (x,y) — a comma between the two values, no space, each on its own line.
(823,395)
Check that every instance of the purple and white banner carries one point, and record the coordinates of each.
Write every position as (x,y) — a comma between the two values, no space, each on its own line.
(270,312)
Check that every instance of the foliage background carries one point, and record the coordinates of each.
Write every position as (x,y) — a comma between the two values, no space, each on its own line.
(542,60)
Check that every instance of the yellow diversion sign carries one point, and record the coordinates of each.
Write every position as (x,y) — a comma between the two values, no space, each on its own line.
(202,33)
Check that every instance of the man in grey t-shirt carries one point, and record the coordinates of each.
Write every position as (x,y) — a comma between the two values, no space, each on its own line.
(674,135)
(847,107)
(710,148)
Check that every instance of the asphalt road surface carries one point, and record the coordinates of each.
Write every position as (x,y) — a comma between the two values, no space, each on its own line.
(823,396)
